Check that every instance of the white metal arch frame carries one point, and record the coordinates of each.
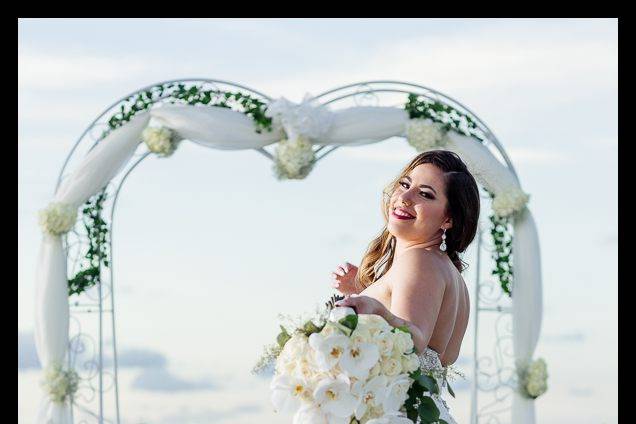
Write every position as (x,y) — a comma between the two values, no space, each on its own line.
(89,404)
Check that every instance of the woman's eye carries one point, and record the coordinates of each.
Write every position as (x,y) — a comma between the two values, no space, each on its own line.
(426,194)
(403,184)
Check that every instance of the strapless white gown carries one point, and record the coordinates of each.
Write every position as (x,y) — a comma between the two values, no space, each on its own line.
(431,364)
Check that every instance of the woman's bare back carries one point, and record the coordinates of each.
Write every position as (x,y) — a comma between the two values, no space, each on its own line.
(452,320)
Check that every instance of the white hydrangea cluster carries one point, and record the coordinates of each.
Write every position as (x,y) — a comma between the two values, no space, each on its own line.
(338,374)
(294,158)
(424,134)
(535,378)
(161,140)
(57,218)
(509,202)
(60,384)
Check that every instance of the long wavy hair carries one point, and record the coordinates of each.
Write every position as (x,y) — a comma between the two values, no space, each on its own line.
(463,207)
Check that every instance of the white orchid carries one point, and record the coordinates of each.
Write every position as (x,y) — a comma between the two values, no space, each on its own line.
(359,358)
(396,393)
(328,350)
(288,392)
(392,418)
(369,394)
(334,397)
(340,312)
(312,414)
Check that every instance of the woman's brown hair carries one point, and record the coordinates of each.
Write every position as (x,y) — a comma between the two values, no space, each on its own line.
(463,208)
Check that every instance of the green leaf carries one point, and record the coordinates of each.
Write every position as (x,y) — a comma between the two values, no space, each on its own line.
(350,321)
(450,390)
(428,411)
(309,328)
(429,383)
(282,337)
(403,328)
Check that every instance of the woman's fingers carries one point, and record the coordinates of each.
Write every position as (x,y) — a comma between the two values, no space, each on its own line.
(346,266)
(340,271)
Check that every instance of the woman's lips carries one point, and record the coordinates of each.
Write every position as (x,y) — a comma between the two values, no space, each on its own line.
(395,215)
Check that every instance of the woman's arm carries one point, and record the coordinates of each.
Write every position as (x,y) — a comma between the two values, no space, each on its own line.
(416,297)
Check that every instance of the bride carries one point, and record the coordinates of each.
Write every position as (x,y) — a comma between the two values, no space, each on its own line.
(411,273)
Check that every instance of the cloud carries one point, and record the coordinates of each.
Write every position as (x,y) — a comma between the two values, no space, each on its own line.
(569,337)
(535,156)
(63,70)
(480,60)
(582,392)
(162,380)
(27,354)
(186,415)
(140,358)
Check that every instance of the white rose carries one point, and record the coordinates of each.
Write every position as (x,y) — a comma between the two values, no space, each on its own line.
(391,366)
(385,341)
(410,362)
(374,323)
(403,342)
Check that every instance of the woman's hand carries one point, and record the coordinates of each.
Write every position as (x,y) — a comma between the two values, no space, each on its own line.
(364,305)
(344,279)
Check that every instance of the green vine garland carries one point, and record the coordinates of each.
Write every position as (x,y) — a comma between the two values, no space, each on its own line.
(416,106)
(97,254)
(192,95)
(501,233)
(450,118)
(501,229)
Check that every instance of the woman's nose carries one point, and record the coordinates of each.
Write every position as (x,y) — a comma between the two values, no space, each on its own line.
(406,198)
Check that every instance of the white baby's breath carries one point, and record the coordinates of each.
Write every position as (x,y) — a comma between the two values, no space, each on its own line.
(424,134)
(57,218)
(534,379)
(161,140)
(293,158)
(59,384)
(509,202)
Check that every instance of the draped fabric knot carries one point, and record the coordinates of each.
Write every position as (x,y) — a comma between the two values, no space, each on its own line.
(301,119)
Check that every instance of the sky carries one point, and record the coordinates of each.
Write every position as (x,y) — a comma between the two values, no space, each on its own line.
(209,247)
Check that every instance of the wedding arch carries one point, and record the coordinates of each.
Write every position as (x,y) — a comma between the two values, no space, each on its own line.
(75,274)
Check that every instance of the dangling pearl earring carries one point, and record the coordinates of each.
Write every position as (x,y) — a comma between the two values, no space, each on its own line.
(442,246)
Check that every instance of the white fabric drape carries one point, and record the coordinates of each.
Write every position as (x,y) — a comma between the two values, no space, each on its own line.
(481,162)
(365,124)
(103,162)
(215,127)
(222,128)
(527,304)
(51,319)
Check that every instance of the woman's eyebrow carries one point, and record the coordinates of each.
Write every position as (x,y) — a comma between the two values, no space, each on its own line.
(422,185)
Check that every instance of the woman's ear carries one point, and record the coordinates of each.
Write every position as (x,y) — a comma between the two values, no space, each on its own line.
(447,224)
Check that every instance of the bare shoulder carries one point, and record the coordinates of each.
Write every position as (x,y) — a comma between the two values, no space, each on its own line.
(420,266)
(423,263)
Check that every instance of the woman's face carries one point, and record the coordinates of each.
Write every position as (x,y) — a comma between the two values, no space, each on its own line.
(422,190)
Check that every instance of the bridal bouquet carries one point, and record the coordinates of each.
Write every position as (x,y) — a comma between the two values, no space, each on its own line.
(343,367)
